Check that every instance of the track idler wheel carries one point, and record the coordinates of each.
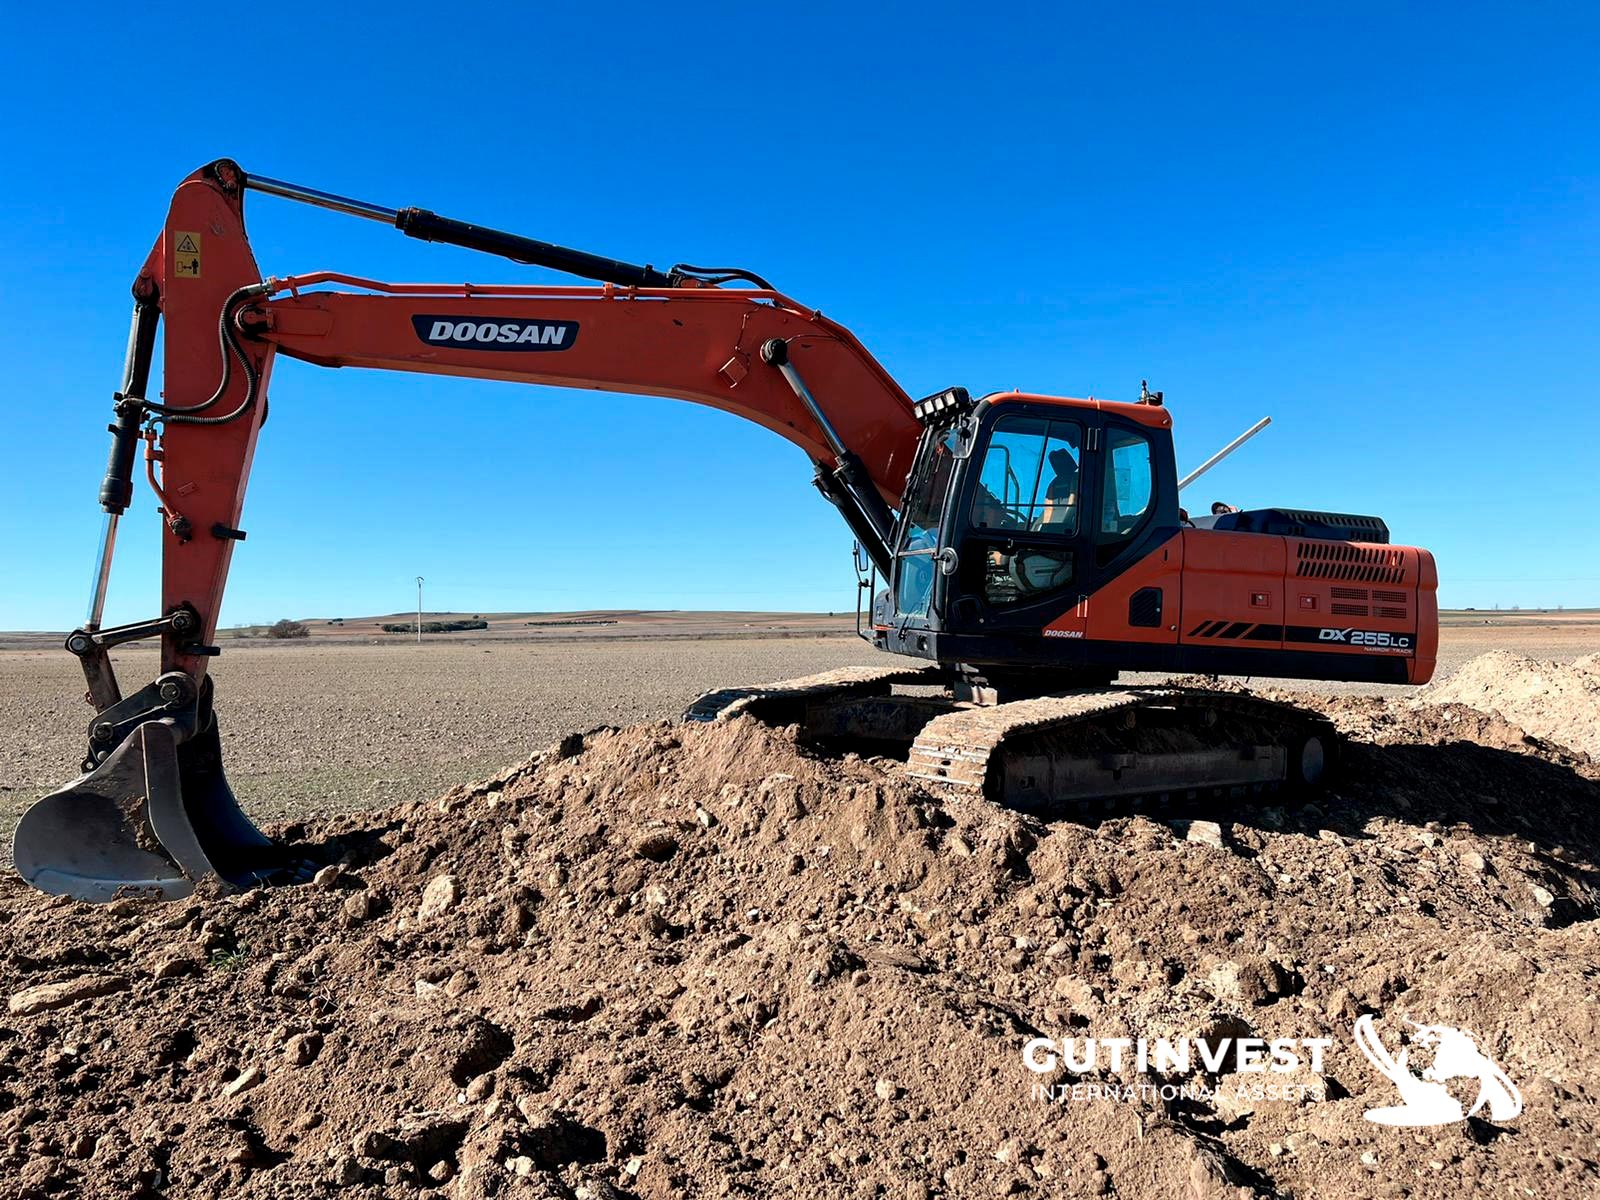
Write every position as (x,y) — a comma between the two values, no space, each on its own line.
(1313,756)
(153,819)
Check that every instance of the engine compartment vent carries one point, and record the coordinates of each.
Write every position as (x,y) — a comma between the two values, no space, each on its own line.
(1331,560)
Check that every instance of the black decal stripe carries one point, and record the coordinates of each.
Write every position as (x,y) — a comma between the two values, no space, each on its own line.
(1211,629)
(1265,633)
(1195,632)
(1225,658)
(1234,630)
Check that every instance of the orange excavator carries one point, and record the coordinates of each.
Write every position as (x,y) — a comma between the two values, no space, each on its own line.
(1031,547)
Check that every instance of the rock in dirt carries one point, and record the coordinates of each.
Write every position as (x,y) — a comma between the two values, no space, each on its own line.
(441,895)
(1205,833)
(328,876)
(302,1049)
(1078,993)
(359,906)
(1256,981)
(58,995)
(243,1082)
(176,965)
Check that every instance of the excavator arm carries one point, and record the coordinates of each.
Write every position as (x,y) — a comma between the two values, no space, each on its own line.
(684,334)
(748,351)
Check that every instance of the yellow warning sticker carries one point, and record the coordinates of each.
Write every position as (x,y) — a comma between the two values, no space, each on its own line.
(186,254)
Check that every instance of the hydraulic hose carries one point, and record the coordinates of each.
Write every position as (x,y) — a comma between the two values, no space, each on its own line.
(228,338)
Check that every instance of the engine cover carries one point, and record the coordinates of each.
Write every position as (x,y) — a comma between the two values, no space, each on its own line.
(1298,522)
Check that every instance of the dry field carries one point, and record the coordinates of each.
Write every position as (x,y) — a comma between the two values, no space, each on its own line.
(670,960)
(346,721)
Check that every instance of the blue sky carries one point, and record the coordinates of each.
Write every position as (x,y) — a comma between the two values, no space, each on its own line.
(1377,224)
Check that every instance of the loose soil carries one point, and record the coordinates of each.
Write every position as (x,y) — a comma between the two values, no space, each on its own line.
(705,960)
(1556,700)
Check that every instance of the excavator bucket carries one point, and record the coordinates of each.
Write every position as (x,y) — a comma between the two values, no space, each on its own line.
(153,820)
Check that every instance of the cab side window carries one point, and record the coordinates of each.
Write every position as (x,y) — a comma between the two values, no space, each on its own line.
(1127,489)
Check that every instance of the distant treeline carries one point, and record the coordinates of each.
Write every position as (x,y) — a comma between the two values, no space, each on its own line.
(437,626)
(574,621)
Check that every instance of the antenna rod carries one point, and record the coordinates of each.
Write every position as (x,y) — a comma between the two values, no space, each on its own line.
(1224,452)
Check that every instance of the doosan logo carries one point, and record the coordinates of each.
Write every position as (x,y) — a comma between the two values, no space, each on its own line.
(472,333)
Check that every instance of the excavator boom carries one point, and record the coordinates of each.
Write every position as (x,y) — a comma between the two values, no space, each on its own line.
(698,344)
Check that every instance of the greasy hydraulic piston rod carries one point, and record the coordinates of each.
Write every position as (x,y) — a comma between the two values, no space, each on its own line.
(430,227)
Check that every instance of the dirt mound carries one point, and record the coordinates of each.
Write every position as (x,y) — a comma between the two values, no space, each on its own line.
(703,960)
(1558,701)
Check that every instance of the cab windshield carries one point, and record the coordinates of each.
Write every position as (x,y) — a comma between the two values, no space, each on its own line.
(925,497)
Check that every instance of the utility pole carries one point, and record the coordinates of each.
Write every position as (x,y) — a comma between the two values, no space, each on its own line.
(419,610)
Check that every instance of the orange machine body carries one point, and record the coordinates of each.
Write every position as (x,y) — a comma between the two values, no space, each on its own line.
(1263,593)
(1180,595)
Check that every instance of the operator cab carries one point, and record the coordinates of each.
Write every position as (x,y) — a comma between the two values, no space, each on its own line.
(1017,508)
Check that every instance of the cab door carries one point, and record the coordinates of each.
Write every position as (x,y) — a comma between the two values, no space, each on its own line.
(915,591)
(1063,506)
(1023,533)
